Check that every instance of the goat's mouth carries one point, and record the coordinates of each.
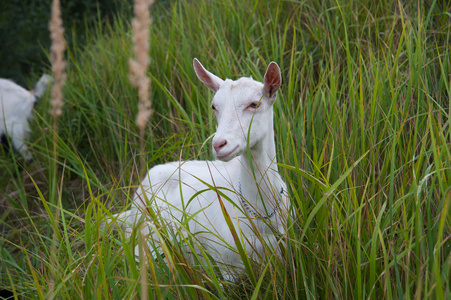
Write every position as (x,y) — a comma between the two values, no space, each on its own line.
(226,156)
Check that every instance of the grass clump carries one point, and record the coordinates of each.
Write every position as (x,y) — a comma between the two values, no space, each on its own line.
(363,137)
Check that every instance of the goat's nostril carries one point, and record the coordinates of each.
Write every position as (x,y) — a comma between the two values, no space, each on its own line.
(220,144)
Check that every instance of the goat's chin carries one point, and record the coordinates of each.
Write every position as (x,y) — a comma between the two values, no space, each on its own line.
(227,155)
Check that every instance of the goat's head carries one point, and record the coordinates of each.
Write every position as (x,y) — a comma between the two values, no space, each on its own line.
(243,108)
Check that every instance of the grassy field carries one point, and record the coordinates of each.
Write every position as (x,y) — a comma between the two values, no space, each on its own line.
(362,132)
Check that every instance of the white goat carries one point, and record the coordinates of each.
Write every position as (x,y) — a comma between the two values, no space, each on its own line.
(253,193)
(16,109)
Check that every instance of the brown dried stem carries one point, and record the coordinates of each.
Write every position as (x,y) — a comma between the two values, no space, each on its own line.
(138,66)
(59,76)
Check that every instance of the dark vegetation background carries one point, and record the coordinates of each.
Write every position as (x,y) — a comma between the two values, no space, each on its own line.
(25,37)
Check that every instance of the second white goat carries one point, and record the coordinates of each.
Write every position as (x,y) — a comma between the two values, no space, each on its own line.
(16,109)
(247,184)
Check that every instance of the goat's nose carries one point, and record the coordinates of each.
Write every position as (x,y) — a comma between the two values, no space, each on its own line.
(217,145)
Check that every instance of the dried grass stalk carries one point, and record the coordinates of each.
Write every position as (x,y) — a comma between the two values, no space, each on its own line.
(59,77)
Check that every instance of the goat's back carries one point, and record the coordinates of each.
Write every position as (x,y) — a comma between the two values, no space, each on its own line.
(164,183)
(15,101)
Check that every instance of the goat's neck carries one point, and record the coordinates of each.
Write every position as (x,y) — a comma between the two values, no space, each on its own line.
(265,180)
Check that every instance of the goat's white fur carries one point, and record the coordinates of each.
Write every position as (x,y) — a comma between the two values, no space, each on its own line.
(16,109)
(170,188)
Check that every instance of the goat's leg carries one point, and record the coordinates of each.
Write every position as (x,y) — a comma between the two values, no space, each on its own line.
(17,138)
(20,146)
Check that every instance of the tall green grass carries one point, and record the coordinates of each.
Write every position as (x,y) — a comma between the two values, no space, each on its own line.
(362,133)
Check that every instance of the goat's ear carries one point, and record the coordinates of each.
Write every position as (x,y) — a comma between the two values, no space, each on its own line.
(272,80)
(212,81)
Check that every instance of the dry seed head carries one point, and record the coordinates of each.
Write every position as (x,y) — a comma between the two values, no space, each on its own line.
(57,58)
(138,66)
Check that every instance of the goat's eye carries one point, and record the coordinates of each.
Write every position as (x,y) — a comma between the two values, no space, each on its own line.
(254,105)
(213,107)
